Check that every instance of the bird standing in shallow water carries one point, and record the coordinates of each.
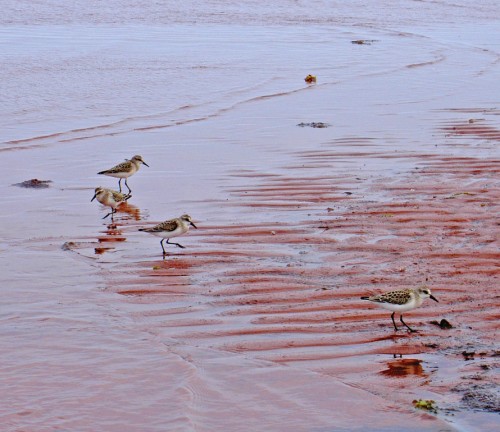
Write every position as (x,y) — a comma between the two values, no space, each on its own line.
(171,228)
(124,170)
(401,301)
(109,198)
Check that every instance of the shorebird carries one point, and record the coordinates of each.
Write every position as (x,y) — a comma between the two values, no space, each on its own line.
(401,301)
(110,198)
(124,170)
(171,228)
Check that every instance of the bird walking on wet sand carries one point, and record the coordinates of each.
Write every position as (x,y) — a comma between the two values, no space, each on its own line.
(110,198)
(171,228)
(124,170)
(401,301)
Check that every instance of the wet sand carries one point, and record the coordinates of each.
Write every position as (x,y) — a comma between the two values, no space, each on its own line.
(258,323)
(288,292)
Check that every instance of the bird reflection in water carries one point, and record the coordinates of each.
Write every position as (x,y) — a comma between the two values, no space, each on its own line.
(404,367)
(114,232)
(131,211)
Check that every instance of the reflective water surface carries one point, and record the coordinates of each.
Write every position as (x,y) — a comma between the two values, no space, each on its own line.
(257,323)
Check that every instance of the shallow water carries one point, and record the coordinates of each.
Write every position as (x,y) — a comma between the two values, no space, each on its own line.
(255,325)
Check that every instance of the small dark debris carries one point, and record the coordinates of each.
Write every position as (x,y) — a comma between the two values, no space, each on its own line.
(431,345)
(310,79)
(444,324)
(68,246)
(476,377)
(316,125)
(363,41)
(482,399)
(348,193)
(34,184)
(468,355)
(329,209)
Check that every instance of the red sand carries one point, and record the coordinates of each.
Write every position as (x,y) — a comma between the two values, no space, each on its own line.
(258,323)
(289,292)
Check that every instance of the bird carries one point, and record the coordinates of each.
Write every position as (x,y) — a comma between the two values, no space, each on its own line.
(171,228)
(402,301)
(109,198)
(124,170)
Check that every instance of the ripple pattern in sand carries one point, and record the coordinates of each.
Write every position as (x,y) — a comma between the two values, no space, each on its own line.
(287,290)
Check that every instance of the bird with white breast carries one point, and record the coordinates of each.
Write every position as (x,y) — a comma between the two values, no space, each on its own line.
(401,301)
(124,170)
(110,198)
(171,228)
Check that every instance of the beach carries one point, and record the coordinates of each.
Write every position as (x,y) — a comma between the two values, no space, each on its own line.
(258,323)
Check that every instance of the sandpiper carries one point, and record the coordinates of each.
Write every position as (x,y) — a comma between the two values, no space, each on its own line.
(124,170)
(402,301)
(171,228)
(110,198)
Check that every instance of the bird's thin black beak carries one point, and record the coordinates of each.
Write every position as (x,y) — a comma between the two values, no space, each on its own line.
(434,298)
(145,164)
(191,223)
(93,198)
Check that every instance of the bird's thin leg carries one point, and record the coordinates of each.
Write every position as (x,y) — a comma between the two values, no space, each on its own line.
(392,318)
(177,244)
(108,215)
(120,184)
(164,251)
(126,184)
(407,326)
